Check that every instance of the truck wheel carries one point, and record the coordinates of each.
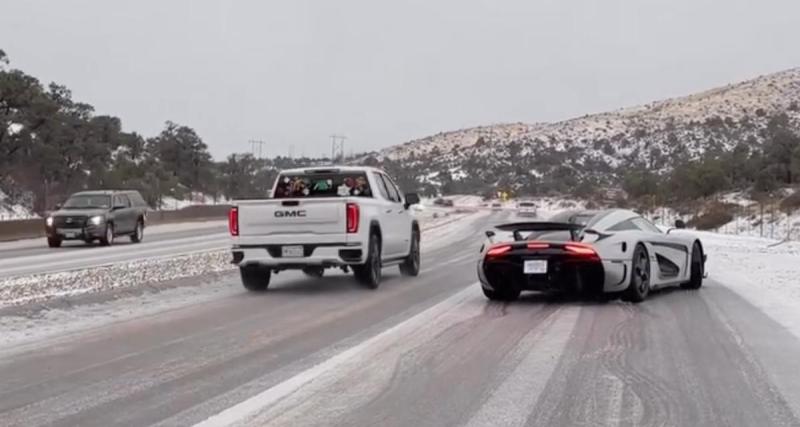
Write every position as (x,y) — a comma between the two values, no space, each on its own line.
(315,272)
(138,233)
(410,267)
(369,273)
(108,236)
(255,278)
(54,242)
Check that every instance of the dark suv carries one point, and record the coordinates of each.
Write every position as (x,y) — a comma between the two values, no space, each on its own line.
(98,215)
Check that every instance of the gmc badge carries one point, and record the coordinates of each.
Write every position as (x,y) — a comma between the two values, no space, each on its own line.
(285,214)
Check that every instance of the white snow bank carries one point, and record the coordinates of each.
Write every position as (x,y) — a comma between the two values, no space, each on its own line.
(9,211)
(171,203)
(763,271)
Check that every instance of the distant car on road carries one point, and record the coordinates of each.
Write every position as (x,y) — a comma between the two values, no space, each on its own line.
(615,251)
(98,215)
(496,206)
(526,209)
(325,217)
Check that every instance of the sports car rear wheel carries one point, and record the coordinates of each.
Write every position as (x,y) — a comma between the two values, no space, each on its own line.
(639,287)
(502,294)
(696,273)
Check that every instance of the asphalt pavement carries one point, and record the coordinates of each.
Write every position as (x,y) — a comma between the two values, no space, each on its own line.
(34,256)
(424,351)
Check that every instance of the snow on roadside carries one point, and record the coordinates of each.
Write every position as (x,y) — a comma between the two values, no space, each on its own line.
(763,271)
(9,211)
(42,287)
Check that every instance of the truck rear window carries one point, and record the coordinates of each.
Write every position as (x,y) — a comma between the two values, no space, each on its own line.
(339,184)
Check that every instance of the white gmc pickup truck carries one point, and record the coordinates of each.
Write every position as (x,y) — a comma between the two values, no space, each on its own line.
(326,217)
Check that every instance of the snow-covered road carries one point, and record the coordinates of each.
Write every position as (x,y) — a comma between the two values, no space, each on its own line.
(425,351)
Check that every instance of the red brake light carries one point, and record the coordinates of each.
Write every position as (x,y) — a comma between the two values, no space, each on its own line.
(538,245)
(498,250)
(233,221)
(580,249)
(353,216)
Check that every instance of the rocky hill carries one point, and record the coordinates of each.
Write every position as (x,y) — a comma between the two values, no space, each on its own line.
(602,147)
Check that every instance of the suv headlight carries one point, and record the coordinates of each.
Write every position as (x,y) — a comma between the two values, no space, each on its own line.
(49,221)
(96,220)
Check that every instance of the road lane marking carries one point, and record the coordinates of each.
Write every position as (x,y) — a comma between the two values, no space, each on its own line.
(252,406)
(513,400)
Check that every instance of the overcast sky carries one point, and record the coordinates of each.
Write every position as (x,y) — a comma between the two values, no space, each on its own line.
(292,72)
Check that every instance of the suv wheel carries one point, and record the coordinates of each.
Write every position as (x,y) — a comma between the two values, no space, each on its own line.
(369,273)
(108,236)
(410,267)
(255,278)
(54,242)
(138,233)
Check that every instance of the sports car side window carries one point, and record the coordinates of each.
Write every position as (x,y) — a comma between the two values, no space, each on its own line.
(646,225)
(624,226)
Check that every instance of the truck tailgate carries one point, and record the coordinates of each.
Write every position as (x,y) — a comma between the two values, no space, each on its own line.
(309,216)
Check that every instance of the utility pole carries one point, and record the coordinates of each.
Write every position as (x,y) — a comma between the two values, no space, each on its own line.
(256,142)
(337,147)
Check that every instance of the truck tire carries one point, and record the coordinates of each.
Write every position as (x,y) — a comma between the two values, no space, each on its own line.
(54,242)
(255,278)
(410,267)
(369,273)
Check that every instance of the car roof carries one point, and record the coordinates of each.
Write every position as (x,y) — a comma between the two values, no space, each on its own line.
(102,192)
(332,168)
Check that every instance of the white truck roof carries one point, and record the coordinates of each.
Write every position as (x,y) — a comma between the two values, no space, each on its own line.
(331,167)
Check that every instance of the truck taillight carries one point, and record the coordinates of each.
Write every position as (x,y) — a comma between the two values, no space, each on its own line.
(233,221)
(353,216)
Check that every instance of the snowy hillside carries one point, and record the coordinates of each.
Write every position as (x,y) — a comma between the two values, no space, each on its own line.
(655,135)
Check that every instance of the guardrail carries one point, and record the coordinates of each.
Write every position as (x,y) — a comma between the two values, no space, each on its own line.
(34,228)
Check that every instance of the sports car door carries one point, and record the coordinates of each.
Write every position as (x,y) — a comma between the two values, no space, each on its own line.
(671,253)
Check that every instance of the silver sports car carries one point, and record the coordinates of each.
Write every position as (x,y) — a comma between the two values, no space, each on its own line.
(615,252)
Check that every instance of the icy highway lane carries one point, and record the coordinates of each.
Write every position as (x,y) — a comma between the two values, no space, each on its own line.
(425,351)
(33,256)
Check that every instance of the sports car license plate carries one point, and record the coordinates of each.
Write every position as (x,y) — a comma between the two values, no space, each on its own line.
(535,266)
(69,233)
(291,251)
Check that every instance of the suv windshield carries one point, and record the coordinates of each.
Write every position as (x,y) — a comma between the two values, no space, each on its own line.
(336,184)
(88,202)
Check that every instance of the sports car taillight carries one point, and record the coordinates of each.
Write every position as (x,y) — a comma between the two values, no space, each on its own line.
(233,221)
(538,245)
(498,250)
(353,216)
(580,249)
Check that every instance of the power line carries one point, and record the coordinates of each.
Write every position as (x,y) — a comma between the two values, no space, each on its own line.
(337,147)
(256,142)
